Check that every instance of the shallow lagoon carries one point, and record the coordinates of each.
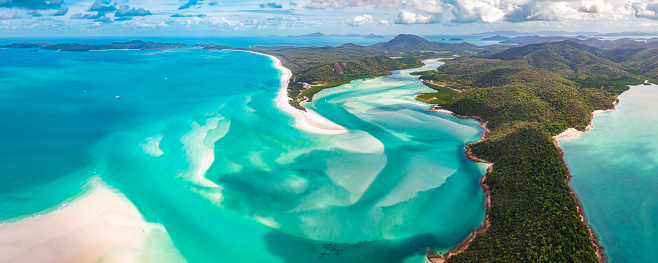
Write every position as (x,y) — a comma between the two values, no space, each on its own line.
(193,138)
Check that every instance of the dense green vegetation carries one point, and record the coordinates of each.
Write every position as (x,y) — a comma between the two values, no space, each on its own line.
(528,94)
(533,215)
(442,96)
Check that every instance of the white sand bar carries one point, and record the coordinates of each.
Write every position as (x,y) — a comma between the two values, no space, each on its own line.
(305,120)
(102,226)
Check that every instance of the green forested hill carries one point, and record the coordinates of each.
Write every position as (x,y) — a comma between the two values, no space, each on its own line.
(566,58)
(409,43)
(528,94)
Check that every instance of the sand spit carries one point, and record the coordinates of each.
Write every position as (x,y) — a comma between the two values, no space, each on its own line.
(305,120)
(101,226)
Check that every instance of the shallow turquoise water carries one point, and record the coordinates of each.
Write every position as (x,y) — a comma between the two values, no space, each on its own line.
(193,138)
(614,174)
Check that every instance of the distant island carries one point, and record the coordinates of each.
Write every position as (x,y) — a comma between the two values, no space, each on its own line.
(318,34)
(131,45)
(495,38)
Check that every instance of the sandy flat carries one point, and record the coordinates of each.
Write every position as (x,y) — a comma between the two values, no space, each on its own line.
(101,226)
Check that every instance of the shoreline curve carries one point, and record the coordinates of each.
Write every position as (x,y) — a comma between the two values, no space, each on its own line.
(571,133)
(308,120)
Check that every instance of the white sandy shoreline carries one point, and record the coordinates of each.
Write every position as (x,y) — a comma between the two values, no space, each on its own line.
(305,120)
(572,132)
(100,226)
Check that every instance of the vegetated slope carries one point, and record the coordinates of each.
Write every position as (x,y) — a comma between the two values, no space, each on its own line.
(644,61)
(408,43)
(533,215)
(566,58)
(298,59)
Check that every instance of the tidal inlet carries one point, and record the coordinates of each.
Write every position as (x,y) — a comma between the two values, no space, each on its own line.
(118,156)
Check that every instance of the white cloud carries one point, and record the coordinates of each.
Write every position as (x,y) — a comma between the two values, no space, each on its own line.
(360,20)
(490,11)
(12,15)
(596,6)
(643,9)
(406,17)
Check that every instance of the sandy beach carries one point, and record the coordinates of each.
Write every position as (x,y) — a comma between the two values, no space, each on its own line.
(305,120)
(573,132)
(101,226)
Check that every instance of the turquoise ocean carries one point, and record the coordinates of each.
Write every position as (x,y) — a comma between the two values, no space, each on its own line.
(614,174)
(194,139)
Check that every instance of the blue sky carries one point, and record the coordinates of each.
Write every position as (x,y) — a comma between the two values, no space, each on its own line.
(291,17)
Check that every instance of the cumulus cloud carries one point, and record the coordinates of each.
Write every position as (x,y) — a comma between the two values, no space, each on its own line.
(62,11)
(271,5)
(10,15)
(597,7)
(126,11)
(102,6)
(34,14)
(487,11)
(406,17)
(32,4)
(643,9)
(360,20)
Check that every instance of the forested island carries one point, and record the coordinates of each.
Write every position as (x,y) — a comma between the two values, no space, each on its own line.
(524,95)
(130,45)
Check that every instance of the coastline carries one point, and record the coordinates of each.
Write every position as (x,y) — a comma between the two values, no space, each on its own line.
(102,225)
(432,256)
(573,132)
(570,133)
(308,120)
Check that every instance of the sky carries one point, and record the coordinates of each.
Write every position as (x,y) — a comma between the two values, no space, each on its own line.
(19,18)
